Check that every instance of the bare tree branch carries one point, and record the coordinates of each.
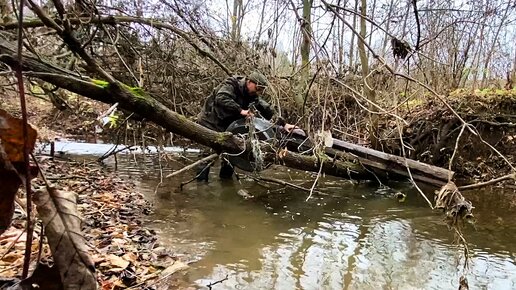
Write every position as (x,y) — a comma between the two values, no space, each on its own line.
(113,20)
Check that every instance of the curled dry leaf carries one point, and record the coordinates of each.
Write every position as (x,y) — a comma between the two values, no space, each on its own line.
(58,211)
(11,134)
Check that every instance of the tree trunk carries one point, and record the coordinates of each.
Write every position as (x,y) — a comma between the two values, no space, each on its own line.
(387,28)
(370,41)
(236,19)
(368,91)
(491,50)
(306,35)
(352,42)
(260,26)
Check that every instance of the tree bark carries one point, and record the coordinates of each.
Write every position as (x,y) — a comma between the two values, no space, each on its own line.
(352,42)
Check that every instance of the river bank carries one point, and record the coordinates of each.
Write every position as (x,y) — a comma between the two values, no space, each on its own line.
(126,253)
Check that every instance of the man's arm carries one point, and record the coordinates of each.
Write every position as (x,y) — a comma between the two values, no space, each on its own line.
(268,112)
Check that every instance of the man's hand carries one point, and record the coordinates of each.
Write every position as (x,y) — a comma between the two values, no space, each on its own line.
(290,127)
(246,113)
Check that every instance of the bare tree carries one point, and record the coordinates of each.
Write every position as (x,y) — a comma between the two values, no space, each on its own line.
(489,54)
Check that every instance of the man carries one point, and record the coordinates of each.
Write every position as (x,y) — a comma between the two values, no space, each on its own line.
(230,101)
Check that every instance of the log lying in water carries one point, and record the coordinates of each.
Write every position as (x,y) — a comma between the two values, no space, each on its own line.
(386,166)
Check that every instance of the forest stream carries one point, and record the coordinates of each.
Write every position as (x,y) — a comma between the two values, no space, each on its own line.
(356,237)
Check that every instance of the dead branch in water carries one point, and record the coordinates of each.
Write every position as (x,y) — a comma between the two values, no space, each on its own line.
(456,208)
(489,182)
(284,183)
(206,159)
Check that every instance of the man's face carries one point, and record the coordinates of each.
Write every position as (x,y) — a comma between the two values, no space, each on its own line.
(254,89)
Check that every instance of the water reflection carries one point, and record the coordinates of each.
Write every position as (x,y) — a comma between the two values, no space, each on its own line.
(354,239)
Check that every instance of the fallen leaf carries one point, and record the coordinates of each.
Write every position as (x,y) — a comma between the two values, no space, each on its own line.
(11,134)
(58,211)
(282,153)
(131,257)
(118,261)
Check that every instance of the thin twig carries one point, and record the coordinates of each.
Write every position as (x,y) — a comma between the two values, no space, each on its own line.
(284,183)
(206,159)
(195,177)
(216,282)
(21,90)
(489,182)
(113,152)
(408,168)
(11,245)
(455,151)
(315,181)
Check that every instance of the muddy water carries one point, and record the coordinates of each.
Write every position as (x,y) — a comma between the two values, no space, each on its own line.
(356,237)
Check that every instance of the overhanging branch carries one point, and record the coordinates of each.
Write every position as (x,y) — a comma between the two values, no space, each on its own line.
(114,20)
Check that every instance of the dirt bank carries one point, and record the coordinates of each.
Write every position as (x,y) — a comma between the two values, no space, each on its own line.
(433,130)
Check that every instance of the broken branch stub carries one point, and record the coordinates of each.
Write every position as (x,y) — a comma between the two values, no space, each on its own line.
(58,211)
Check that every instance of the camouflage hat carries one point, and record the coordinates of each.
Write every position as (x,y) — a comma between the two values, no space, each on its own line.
(258,79)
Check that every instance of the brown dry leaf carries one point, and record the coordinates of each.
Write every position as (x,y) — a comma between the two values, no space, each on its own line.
(282,153)
(107,285)
(131,257)
(118,261)
(58,211)
(10,182)
(11,134)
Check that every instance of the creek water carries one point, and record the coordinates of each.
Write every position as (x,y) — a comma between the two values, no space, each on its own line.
(355,237)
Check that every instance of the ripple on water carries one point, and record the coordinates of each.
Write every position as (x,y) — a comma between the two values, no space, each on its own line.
(356,239)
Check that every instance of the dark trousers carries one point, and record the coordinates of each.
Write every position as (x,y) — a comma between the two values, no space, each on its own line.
(203,170)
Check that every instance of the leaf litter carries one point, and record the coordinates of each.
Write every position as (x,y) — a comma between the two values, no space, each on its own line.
(125,254)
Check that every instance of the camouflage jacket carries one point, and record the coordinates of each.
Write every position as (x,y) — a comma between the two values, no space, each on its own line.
(224,104)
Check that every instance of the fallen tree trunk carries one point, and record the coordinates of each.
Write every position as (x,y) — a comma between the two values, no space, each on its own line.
(134,100)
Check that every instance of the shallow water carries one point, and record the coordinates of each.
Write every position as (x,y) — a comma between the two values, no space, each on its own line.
(356,237)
